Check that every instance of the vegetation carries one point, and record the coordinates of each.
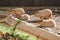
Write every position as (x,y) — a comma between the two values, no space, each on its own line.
(9,34)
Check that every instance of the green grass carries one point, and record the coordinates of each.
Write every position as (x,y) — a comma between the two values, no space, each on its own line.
(22,34)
